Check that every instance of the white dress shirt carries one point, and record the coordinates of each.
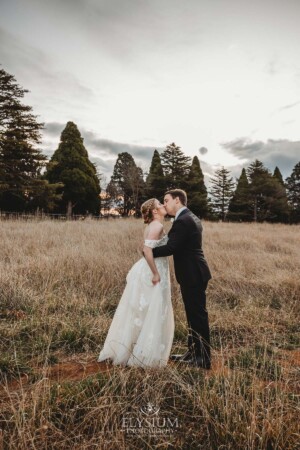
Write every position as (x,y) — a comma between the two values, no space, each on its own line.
(179,211)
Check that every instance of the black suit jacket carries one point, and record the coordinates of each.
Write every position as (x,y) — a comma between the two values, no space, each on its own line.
(185,244)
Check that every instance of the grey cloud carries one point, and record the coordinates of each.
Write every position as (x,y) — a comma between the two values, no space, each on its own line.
(282,152)
(110,147)
(104,166)
(37,69)
(285,162)
(54,128)
(243,147)
(105,146)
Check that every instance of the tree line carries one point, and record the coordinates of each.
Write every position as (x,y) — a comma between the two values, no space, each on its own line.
(69,182)
(257,195)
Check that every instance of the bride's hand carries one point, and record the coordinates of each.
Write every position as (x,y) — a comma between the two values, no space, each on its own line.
(156,278)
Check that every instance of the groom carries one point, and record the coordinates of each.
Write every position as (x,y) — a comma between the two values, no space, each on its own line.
(192,273)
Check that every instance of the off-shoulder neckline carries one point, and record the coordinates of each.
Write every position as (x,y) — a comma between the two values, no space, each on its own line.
(156,240)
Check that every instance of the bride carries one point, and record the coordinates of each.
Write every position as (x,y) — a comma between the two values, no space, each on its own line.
(142,329)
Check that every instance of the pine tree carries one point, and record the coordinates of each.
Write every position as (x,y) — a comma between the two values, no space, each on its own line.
(259,177)
(239,205)
(277,174)
(21,161)
(293,192)
(71,166)
(156,183)
(137,186)
(127,183)
(268,196)
(221,192)
(176,166)
(279,207)
(196,190)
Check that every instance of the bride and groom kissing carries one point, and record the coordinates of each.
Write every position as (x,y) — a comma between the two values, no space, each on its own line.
(142,329)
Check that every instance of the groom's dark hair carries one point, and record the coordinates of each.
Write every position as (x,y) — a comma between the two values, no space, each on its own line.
(180,193)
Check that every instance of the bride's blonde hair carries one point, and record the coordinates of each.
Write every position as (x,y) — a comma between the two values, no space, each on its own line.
(146,209)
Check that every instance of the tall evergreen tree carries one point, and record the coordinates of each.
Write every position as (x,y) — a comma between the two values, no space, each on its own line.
(221,192)
(196,189)
(176,166)
(156,182)
(277,174)
(268,195)
(259,179)
(137,186)
(21,161)
(293,192)
(71,166)
(127,183)
(239,205)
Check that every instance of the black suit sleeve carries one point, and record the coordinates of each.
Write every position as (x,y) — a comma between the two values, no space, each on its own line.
(177,238)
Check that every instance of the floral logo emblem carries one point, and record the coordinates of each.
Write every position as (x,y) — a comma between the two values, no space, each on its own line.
(149,409)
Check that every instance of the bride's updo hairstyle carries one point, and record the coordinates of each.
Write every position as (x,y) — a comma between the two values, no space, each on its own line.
(146,209)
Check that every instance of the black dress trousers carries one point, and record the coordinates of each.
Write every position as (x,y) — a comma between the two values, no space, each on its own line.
(194,298)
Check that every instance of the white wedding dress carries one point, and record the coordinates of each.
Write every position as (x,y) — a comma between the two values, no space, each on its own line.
(142,329)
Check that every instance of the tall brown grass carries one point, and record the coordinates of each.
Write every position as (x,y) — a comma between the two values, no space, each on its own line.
(59,286)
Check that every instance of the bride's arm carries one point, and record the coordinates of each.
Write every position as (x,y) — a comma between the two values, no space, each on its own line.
(150,260)
(154,233)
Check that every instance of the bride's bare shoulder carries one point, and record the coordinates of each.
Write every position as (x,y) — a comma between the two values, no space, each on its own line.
(153,230)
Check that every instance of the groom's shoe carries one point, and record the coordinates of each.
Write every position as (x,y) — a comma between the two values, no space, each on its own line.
(187,356)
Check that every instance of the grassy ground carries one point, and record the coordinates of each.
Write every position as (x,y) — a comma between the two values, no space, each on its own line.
(59,286)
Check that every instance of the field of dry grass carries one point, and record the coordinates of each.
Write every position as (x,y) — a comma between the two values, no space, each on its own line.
(59,286)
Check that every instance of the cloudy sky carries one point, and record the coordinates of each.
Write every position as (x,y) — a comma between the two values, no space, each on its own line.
(220,78)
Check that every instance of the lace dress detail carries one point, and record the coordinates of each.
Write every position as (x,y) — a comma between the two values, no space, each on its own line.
(155,243)
(142,329)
